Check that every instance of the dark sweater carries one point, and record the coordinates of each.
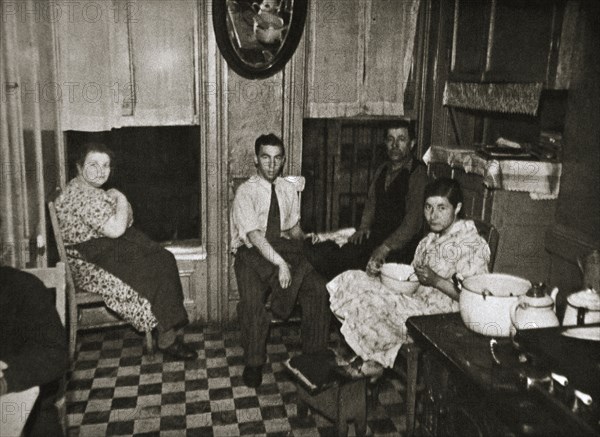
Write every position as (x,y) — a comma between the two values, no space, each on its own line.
(32,337)
(394,214)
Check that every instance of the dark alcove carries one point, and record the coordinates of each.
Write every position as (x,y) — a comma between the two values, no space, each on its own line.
(157,168)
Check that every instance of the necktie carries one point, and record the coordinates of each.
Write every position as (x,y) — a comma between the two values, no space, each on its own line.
(273,222)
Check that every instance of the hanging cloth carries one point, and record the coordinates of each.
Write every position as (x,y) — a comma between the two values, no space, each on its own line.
(514,98)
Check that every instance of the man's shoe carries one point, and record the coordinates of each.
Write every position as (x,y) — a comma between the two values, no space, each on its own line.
(252,376)
(180,351)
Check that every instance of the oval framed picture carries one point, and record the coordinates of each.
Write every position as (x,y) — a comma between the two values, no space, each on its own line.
(257,38)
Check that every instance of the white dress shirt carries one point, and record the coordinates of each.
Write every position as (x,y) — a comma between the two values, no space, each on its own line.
(250,209)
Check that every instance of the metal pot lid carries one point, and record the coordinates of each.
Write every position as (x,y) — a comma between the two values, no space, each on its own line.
(537,296)
(589,299)
(537,302)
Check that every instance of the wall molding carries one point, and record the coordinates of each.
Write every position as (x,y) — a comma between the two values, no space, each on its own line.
(293,99)
(214,169)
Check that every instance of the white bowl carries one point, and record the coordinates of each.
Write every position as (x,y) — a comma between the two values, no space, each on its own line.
(395,277)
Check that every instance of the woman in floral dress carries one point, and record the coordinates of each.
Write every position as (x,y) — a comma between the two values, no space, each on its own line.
(373,317)
(136,276)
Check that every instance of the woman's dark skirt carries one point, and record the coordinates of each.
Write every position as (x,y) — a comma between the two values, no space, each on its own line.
(147,267)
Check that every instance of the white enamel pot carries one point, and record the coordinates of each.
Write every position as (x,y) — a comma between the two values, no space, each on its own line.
(583,308)
(486,301)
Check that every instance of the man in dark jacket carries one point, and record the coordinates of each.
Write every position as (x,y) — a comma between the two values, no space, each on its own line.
(391,225)
(33,347)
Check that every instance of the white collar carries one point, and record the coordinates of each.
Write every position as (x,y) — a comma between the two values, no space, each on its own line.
(265,183)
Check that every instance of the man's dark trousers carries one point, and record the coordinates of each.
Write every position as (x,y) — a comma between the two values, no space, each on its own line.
(256,277)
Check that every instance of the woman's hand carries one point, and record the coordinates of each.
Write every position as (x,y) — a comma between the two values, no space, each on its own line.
(118,196)
(359,236)
(427,276)
(115,194)
(112,193)
(431,279)
(118,223)
(285,276)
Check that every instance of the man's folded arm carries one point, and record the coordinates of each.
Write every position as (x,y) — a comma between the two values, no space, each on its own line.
(413,219)
(261,244)
(370,204)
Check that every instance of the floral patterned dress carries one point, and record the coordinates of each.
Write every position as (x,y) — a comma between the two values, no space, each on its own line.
(373,317)
(82,211)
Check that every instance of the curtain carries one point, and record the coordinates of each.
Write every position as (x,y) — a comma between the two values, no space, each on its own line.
(127,63)
(30,141)
(361,55)
(391,30)
(91,92)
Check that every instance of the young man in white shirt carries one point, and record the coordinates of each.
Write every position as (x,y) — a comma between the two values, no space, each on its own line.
(268,244)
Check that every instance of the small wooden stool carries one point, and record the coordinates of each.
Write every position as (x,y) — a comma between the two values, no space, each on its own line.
(344,401)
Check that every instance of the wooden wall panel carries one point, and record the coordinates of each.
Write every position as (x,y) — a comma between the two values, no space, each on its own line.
(577,229)
(254,108)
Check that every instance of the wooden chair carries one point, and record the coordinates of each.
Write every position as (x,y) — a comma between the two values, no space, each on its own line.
(490,234)
(16,407)
(410,352)
(56,278)
(78,299)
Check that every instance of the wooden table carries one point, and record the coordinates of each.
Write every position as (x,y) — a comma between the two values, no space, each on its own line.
(16,408)
(466,391)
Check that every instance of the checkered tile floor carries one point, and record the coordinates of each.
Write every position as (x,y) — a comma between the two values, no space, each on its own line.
(116,390)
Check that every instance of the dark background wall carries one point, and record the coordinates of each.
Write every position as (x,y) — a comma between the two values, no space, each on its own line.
(157,168)
(577,228)
(579,201)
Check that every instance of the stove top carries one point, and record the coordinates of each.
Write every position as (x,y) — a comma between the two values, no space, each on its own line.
(565,373)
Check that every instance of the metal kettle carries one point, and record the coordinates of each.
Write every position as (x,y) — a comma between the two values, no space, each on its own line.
(590,267)
(535,309)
